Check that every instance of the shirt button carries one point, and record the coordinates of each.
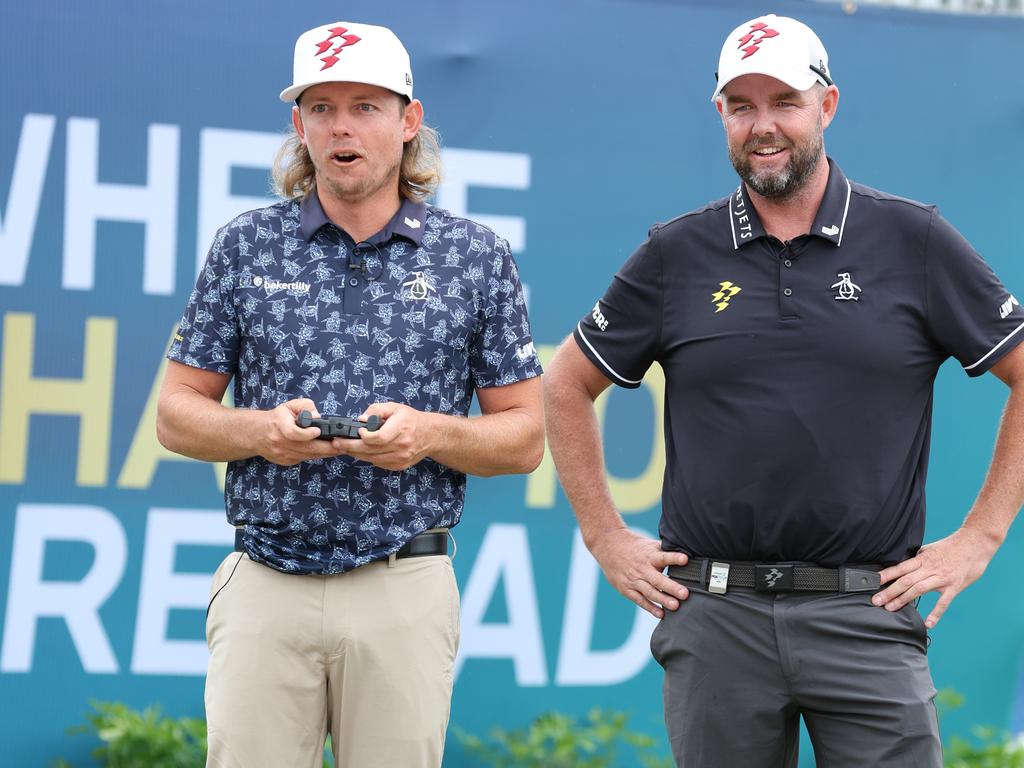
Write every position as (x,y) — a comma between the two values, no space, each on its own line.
(788,292)
(354,281)
(788,263)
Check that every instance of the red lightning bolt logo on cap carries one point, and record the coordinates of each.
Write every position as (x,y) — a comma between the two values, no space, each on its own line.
(340,33)
(752,48)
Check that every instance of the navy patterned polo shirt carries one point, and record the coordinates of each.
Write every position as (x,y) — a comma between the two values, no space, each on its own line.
(422,313)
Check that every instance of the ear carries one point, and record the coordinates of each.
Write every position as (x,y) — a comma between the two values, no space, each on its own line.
(829,105)
(719,106)
(297,123)
(412,119)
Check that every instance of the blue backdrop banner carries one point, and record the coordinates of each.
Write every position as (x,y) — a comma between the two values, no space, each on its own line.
(131,131)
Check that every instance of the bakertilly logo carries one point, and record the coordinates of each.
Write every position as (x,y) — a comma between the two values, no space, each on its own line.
(273,286)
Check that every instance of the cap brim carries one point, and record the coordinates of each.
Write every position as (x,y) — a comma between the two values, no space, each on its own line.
(798,81)
(293,92)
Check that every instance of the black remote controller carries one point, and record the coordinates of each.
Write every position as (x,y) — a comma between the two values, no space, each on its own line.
(337,426)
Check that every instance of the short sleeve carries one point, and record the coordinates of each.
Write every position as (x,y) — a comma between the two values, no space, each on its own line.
(502,351)
(970,313)
(208,334)
(621,335)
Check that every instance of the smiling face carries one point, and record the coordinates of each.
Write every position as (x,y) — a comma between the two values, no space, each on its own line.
(775,134)
(355,134)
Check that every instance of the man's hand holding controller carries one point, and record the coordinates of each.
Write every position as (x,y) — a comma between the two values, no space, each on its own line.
(337,426)
(295,431)
(284,440)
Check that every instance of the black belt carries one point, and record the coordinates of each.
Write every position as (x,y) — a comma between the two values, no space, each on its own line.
(719,575)
(426,543)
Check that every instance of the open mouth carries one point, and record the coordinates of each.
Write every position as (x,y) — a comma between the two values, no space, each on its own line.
(769,151)
(345,158)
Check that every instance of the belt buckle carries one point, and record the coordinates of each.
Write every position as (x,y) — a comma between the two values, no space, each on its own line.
(718,584)
(773,578)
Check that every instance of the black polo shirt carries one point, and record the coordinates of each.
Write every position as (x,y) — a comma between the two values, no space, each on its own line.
(799,375)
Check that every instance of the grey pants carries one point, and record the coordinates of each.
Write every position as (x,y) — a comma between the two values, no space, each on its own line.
(742,668)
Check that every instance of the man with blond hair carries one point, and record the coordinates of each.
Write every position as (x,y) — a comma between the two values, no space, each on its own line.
(800,323)
(338,612)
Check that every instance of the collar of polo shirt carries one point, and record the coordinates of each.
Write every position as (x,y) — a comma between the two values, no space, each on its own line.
(829,222)
(409,220)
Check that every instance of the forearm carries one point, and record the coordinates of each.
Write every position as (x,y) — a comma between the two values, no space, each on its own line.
(574,437)
(1002,493)
(194,425)
(492,444)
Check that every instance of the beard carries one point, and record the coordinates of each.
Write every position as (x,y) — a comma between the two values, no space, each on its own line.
(354,190)
(784,183)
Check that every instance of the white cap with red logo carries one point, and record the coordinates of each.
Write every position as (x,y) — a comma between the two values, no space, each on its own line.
(350,53)
(777,46)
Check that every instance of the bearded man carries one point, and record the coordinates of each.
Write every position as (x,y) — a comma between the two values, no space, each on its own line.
(800,323)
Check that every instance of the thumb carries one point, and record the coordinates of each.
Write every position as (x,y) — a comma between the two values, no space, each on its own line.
(383,410)
(301,404)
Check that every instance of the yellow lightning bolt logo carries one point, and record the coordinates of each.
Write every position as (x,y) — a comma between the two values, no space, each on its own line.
(721,298)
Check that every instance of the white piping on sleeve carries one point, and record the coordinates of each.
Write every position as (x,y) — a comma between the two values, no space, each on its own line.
(598,356)
(991,351)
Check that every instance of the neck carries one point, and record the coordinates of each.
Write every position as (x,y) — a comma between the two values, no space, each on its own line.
(362,218)
(792,216)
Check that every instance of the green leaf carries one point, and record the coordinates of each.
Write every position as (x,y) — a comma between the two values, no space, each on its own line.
(557,740)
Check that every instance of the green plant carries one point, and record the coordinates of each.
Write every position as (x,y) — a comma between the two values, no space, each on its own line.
(990,748)
(147,739)
(133,739)
(555,740)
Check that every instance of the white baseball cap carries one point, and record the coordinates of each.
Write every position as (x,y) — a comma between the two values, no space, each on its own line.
(343,52)
(777,46)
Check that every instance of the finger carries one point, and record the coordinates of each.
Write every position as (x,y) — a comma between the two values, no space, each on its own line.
(301,404)
(388,431)
(663,559)
(289,412)
(900,569)
(318,449)
(940,607)
(287,432)
(341,446)
(664,599)
(667,586)
(384,410)
(292,431)
(380,437)
(669,596)
(362,449)
(894,590)
(379,457)
(656,586)
(652,608)
(897,584)
(913,590)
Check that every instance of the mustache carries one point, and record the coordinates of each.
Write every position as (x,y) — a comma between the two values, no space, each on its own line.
(767,141)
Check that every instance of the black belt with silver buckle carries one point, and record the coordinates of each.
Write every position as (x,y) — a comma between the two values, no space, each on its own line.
(718,575)
(426,543)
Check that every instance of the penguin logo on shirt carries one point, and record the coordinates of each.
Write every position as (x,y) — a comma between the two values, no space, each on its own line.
(846,288)
(418,286)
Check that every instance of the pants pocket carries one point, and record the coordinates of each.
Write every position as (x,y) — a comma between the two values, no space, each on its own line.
(222,577)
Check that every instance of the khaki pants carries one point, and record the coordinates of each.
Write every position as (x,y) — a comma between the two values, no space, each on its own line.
(367,655)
